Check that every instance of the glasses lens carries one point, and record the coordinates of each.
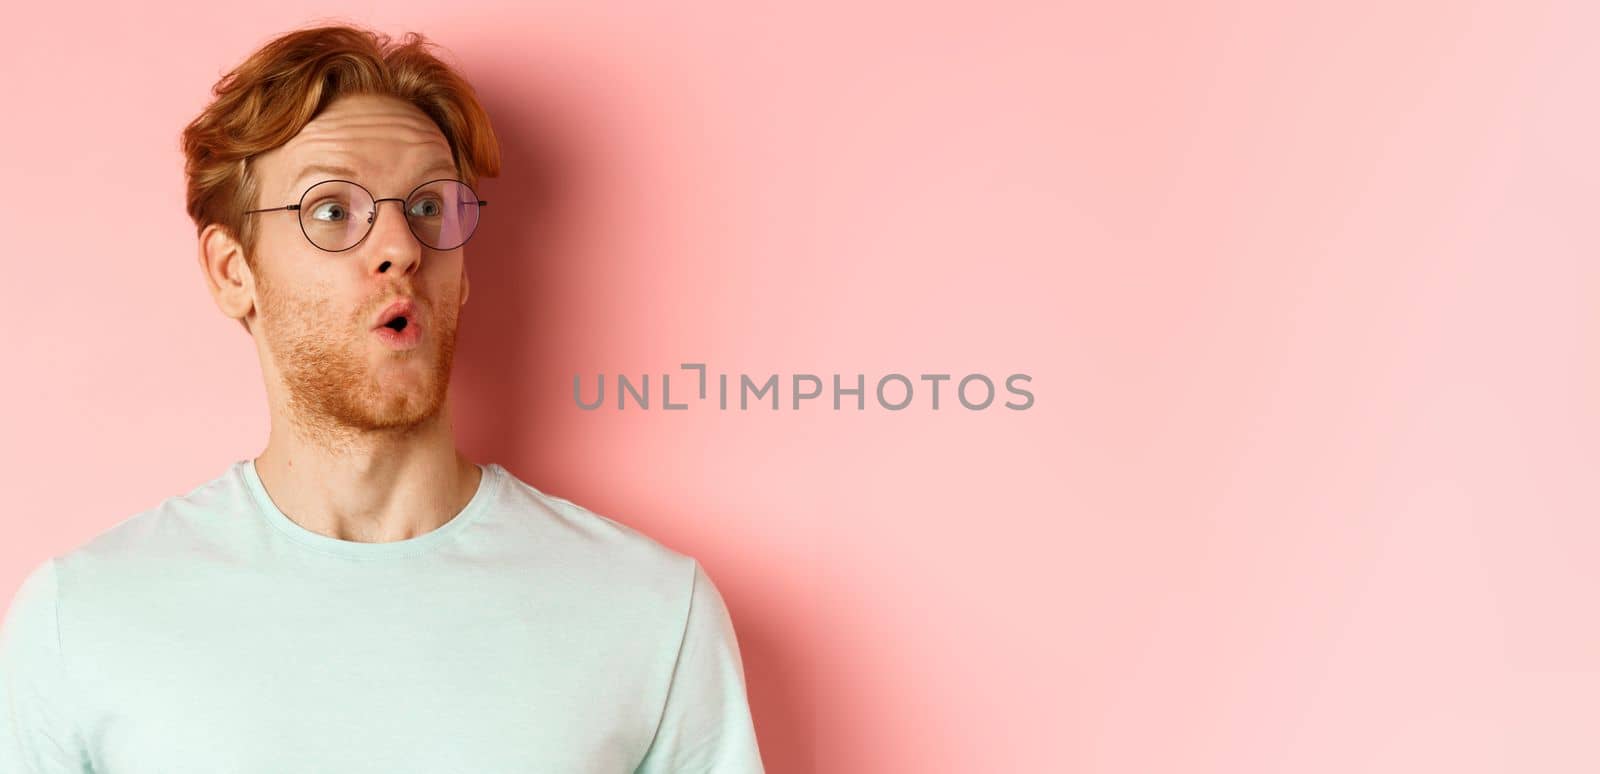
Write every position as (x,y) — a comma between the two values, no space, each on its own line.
(336,214)
(443,213)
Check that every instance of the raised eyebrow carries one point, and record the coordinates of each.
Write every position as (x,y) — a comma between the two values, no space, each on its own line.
(325,169)
(345,173)
(433,173)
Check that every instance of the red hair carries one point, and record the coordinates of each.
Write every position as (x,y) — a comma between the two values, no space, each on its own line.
(272,95)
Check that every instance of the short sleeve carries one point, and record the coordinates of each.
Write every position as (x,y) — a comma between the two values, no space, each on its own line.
(705,726)
(37,732)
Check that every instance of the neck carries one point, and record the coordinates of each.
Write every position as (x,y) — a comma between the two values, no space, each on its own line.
(368,487)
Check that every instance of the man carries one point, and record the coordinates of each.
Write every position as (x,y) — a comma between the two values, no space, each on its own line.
(361,597)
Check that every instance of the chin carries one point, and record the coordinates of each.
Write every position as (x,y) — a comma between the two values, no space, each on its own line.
(393,401)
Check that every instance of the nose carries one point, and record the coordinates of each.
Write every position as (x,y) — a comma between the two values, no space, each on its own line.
(395,250)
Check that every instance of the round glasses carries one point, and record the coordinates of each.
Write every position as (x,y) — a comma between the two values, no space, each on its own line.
(337,215)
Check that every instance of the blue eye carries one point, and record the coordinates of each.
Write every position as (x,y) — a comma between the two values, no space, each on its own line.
(336,210)
(427,208)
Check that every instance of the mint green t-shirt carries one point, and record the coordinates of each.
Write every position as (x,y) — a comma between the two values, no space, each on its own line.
(213,634)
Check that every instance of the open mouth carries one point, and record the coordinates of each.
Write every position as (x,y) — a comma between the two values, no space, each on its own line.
(397,330)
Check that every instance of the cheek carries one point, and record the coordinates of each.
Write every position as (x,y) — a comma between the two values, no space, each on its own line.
(444,288)
(278,238)
(311,310)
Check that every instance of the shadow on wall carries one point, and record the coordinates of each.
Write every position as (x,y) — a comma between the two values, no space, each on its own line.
(511,321)
(521,327)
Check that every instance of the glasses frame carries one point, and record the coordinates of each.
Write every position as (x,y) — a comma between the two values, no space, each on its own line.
(372,221)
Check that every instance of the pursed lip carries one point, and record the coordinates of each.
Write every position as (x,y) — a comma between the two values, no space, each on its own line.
(400,307)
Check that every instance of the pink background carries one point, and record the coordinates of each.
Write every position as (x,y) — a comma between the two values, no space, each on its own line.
(1307,292)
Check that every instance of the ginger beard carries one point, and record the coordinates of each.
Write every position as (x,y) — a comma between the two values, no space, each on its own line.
(340,379)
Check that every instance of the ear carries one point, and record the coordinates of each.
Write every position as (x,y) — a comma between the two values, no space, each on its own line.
(465,284)
(227,275)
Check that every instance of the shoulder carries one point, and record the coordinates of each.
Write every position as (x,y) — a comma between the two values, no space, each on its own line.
(180,527)
(577,539)
(177,527)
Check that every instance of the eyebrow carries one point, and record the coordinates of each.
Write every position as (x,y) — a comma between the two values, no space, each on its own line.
(346,173)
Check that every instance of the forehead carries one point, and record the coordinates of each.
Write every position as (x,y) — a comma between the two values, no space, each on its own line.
(384,143)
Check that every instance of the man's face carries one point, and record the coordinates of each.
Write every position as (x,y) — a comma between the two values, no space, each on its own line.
(316,310)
